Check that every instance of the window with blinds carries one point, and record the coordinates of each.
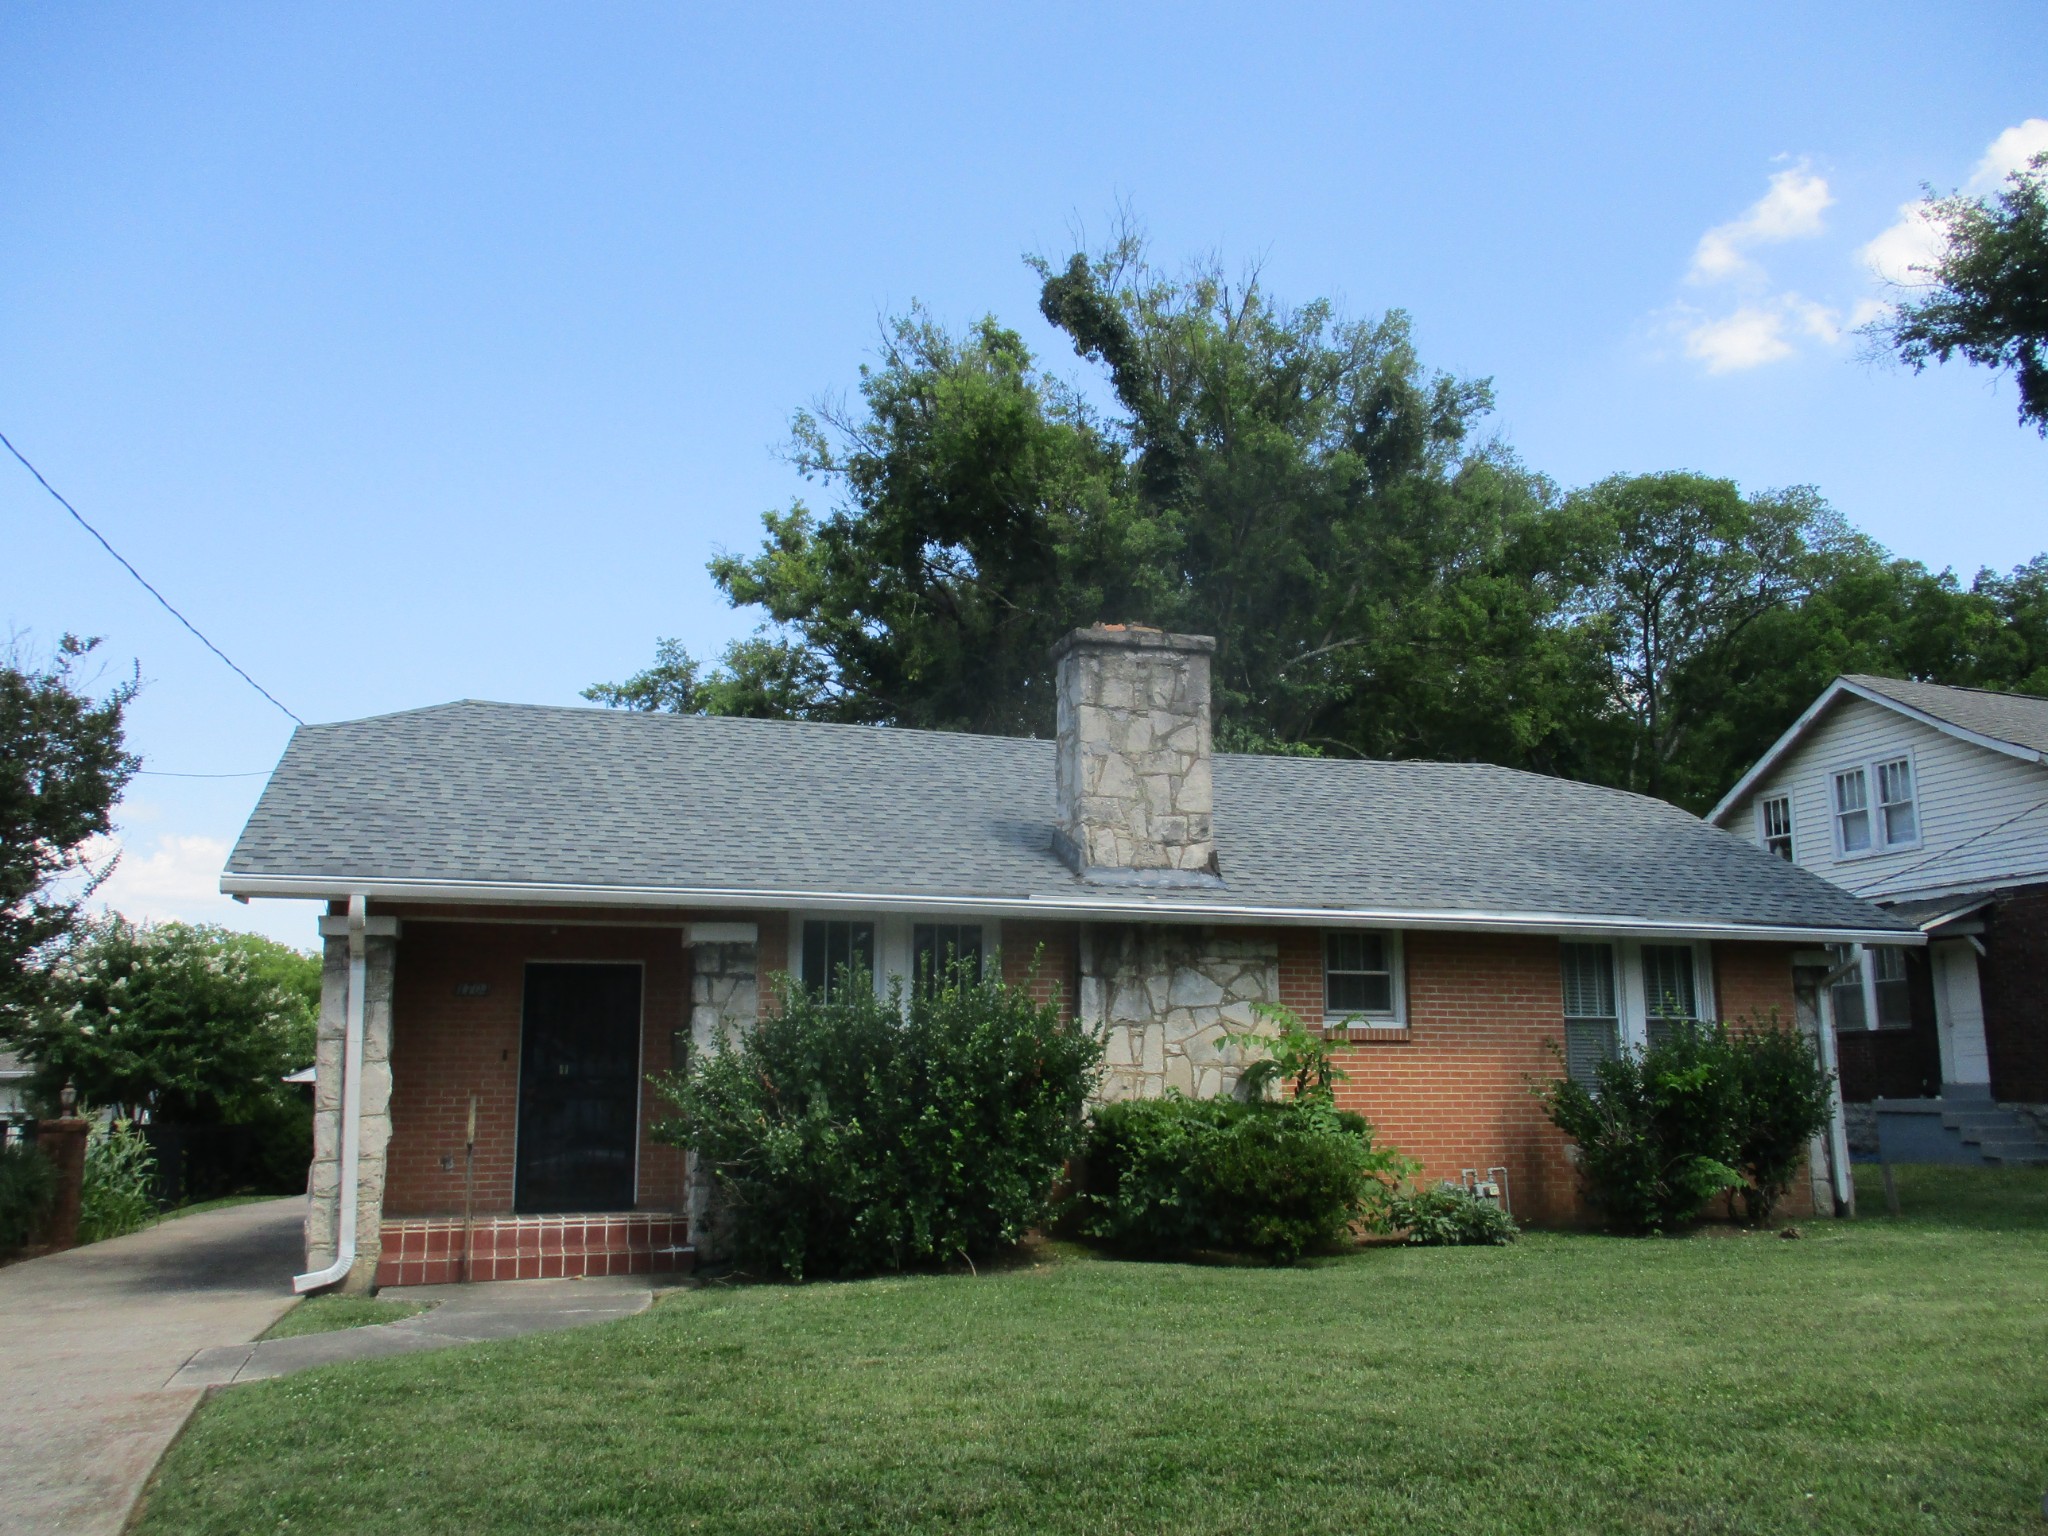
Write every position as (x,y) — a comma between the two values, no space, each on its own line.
(1670,994)
(1592,1021)
(835,953)
(1358,976)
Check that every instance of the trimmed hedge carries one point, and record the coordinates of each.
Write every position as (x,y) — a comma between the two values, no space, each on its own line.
(28,1186)
(1174,1175)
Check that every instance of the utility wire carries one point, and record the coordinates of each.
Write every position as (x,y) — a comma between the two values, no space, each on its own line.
(1945,853)
(166,773)
(152,591)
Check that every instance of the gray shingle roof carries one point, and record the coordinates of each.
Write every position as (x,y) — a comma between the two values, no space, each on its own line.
(2019,718)
(528,795)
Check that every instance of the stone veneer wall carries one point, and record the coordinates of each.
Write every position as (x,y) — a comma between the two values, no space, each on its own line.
(1134,781)
(323,1210)
(725,995)
(1167,996)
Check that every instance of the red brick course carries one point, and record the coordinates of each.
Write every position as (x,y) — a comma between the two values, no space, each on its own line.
(1043,958)
(1453,1090)
(2015,990)
(431,1250)
(446,1048)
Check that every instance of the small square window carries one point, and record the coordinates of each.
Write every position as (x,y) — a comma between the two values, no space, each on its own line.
(1852,811)
(1893,987)
(1774,820)
(835,953)
(1358,975)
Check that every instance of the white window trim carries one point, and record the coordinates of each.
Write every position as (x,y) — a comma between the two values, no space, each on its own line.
(1763,825)
(1874,808)
(1397,980)
(895,937)
(1632,992)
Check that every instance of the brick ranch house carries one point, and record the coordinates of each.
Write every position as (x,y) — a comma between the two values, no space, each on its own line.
(530,910)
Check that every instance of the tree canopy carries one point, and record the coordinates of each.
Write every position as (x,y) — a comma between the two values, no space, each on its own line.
(1381,577)
(63,765)
(187,1023)
(1987,294)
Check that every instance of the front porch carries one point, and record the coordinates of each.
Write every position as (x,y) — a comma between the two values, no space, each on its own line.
(507,1101)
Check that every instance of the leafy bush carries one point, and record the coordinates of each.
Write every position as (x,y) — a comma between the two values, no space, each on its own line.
(1784,1091)
(1292,1055)
(1708,1110)
(867,1134)
(28,1185)
(119,1192)
(1450,1217)
(1654,1132)
(1166,1176)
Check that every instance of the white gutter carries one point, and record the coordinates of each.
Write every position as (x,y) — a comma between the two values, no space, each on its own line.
(351,1101)
(1162,906)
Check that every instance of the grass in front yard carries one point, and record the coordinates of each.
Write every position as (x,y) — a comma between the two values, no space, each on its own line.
(326,1314)
(1878,1376)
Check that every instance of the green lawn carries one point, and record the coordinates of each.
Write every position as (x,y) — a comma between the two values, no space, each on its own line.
(1884,1376)
(327,1314)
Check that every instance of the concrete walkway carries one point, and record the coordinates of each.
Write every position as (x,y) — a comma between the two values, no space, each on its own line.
(89,1338)
(461,1314)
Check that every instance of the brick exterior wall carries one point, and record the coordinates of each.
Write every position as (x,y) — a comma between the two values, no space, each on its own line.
(1453,1089)
(445,1047)
(1044,958)
(2014,974)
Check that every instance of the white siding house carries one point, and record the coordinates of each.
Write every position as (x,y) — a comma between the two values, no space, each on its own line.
(1934,802)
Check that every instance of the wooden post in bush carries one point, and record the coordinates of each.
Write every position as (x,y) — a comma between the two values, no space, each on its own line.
(62,1141)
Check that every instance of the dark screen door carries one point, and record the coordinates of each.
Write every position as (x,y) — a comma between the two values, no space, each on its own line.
(579,1088)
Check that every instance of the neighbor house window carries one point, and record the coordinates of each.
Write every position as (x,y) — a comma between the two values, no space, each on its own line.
(941,952)
(1894,992)
(1592,1019)
(1670,991)
(1895,813)
(834,951)
(1852,811)
(1359,977)
(1774,817)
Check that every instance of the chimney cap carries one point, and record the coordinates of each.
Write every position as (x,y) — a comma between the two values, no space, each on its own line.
(1131,637)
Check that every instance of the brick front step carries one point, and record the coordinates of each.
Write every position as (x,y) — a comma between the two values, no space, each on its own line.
(427,1250)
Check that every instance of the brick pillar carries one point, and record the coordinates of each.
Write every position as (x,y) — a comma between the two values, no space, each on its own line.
(63,1143)
(725,994)
(323,1210)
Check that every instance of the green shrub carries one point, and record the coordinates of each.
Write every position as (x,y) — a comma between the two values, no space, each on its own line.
(1167,1176)
(1709,1110)
(1656,1131)
(867,1134)
(28,1184)
(1450,1217)
(1784,1093)
(119,1192)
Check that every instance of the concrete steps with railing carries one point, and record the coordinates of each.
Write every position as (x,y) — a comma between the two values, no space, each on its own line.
(1956,1129)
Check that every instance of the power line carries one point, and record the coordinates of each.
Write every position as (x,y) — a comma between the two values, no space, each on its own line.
(166,773)
(152,591)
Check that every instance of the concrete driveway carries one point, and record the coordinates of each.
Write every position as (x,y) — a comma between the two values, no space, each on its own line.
(89,1338)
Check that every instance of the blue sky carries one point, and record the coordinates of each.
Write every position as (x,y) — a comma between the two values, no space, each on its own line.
(423,352)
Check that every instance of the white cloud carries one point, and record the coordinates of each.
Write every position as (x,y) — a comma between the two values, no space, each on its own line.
(1790,210)
(178,878)
(1749,338)
(1903,253)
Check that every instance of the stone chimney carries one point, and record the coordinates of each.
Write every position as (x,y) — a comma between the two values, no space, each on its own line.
(1134,785)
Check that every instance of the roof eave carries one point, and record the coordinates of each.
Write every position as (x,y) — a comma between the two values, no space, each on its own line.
(1152,907)
(1841,685)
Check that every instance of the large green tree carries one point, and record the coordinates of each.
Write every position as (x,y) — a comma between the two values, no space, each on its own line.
(1987,289)
(63,765)
(1298,485)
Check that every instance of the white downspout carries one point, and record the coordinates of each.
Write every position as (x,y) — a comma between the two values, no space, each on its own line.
(351,1102)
